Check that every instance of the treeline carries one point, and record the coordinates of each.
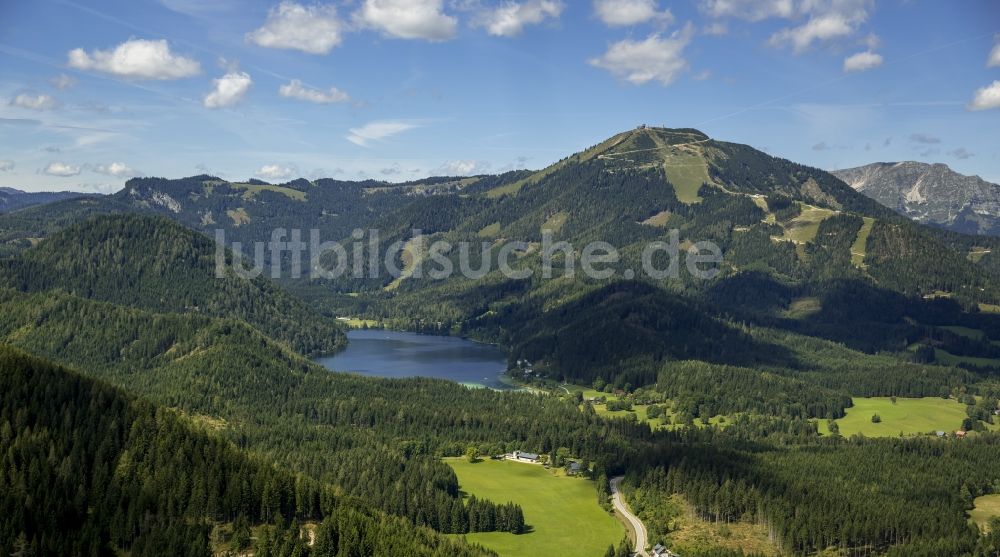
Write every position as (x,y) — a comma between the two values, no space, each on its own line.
(893,496)
(704,390)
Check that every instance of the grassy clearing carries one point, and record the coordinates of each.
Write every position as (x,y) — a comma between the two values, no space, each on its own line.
(760,201)
(359,323)
(859,247)
(909,416)
(949,359)
(562,511)
(410,259)
(984,508)
(659,220)
(686,172)
(555,222)
(490,230)
(802,308)
(974,334)
(803,228)
(989,308)
(977,254)
(254,189)
(692,534)
(685,167)
(239,216)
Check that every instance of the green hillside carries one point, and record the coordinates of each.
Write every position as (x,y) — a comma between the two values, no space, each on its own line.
(88,469)
(156,264)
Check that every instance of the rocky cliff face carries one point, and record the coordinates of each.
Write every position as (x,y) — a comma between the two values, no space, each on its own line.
(931,194)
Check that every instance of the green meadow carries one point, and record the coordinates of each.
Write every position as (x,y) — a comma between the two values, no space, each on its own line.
(562,512)
(909,416)
(985,508)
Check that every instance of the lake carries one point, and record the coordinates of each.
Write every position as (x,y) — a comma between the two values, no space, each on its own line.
(398,354)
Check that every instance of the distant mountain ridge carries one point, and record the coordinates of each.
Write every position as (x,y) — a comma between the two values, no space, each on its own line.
(12,199)
(930,194)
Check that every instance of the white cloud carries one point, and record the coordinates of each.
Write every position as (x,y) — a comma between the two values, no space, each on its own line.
(136,59)
(824,19)
(655,58)
(994,59)
(820,28)
(986,97)
(377,131)
(408,19)
(34,102)
(276,172)
(862,61)
(509,19)
(313,29)
(827,20)
(63,81)
(619,13)
(753,10)
(61,169)
(296,90)
(116,169)
(461,168)
(6,165)
(228,90)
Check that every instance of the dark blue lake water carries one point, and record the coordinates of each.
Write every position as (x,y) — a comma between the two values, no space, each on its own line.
(398,354)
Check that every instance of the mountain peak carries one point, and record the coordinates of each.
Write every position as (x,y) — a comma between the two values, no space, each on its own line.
(932,193)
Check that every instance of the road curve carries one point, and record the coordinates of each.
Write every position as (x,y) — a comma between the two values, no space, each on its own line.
(637,526)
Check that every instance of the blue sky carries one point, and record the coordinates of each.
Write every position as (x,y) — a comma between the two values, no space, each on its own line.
(92,93)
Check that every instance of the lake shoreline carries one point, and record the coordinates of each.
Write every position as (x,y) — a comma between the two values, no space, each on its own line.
(396,354)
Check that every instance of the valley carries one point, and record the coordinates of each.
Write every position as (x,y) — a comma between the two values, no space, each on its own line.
(499,278)
(712,399)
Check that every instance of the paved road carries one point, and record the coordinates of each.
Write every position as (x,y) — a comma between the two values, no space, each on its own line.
(637,526)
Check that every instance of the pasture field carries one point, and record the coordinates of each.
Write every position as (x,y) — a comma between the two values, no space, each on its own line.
(686,172)
(803,228)
(984,508)
(911,416)
(561,512)
(254,189)
(359,323)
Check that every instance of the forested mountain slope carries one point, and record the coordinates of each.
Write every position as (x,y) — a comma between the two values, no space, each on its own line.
(156,264)
(88,470)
